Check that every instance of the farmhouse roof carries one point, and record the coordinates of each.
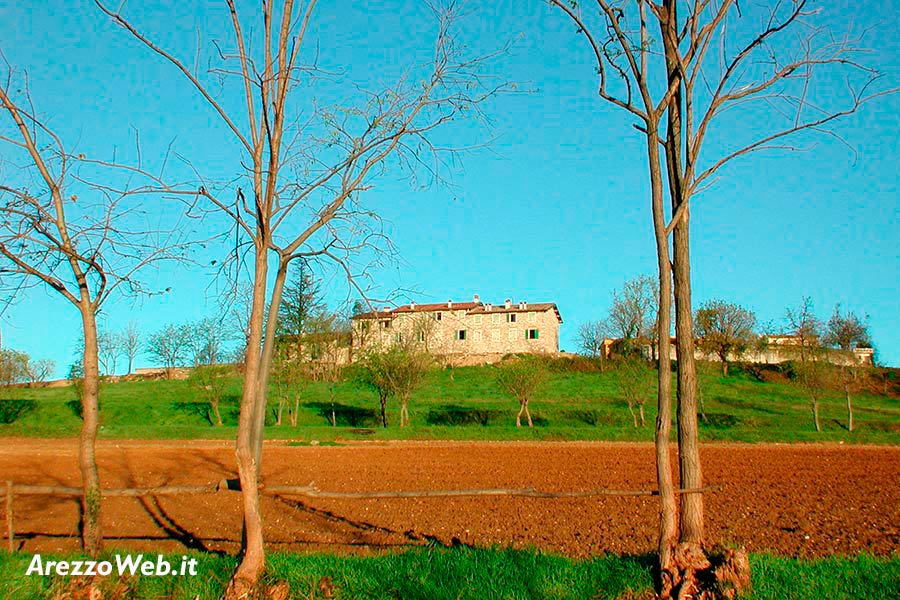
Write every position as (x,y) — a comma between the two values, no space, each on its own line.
(472,308)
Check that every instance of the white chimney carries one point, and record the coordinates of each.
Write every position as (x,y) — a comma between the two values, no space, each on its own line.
(386,308)
(476,299)
(412,306)
(449,303)
(522,305)
(508,303)
(488,306)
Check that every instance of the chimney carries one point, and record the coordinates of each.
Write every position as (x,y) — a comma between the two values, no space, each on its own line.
(508,303)
(412,306)
(523,306)
(476,299)
(449,303)
(488,306)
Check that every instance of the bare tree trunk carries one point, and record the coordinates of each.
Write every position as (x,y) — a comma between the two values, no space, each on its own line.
(404,413)
(265,363)
(528,414)
(667,512)
(91,533)
(333,414)
(215,407)
(280,412)
(383,398)
(633,415)
(297,409)
(849,408)
(724,368)
(641,410)
(690,556)
(815,408)
(519,414)
(253,561)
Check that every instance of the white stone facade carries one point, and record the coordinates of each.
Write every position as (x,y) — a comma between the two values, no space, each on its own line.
(462,329)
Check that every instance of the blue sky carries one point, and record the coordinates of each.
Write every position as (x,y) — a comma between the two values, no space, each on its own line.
(555,208)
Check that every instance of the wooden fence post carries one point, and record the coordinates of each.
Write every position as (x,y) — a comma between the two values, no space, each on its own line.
(10,532)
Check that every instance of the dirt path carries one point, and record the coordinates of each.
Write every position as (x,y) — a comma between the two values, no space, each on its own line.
(796,500)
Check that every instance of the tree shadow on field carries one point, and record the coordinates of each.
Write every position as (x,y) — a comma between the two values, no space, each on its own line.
(365,533)
(345,415)
(171,528)
(454,414)
(719,421)
(229,407)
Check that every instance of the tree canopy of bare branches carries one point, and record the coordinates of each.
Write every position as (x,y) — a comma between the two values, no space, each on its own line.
(680,68)
(724,329)
(304,168)
(80,227)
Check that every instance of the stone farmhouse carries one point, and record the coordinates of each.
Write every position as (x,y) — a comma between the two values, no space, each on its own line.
(468,332)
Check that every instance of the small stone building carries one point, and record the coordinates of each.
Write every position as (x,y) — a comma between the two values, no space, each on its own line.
(481,331)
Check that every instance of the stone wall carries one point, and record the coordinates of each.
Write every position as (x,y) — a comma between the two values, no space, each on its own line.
(451,331)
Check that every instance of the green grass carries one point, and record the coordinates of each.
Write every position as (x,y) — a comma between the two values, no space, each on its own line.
(483,574)
(464,404)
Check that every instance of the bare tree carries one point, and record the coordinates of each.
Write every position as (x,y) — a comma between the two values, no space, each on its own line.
(131,343)
(805,327)
(206,339)
(396,372)
(13,367)
(40,370)
(591,336)
(846,332)
(632,315)
(677,71)
(109,348)
(816,374)
(522,378)
(635,378)
(80,227)
(303,170)
(170,346)
(724,329)
(212,381)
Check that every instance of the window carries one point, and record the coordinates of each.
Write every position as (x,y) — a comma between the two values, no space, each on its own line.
(495,319)
(532,317)
(476,336)
(421,336)
(510,317)
(398,337)
(513,334)
(386,324)
(437,316)
(477,319)
(461,334)
(460,314)
(495,335)
(531,334)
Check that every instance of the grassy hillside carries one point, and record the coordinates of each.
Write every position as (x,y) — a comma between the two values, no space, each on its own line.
(460,403)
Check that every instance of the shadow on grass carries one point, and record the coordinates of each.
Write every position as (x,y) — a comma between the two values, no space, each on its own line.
(454,414)
(345,415)
(12,409)
(229,407)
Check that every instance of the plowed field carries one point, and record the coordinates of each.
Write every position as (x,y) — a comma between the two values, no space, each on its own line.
(803,500)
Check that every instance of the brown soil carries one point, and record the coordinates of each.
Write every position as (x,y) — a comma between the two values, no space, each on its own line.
(792,499)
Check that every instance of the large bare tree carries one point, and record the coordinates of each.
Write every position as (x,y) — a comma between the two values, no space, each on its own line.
(304,165)
(76,226)
(677,68)
(724,329)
